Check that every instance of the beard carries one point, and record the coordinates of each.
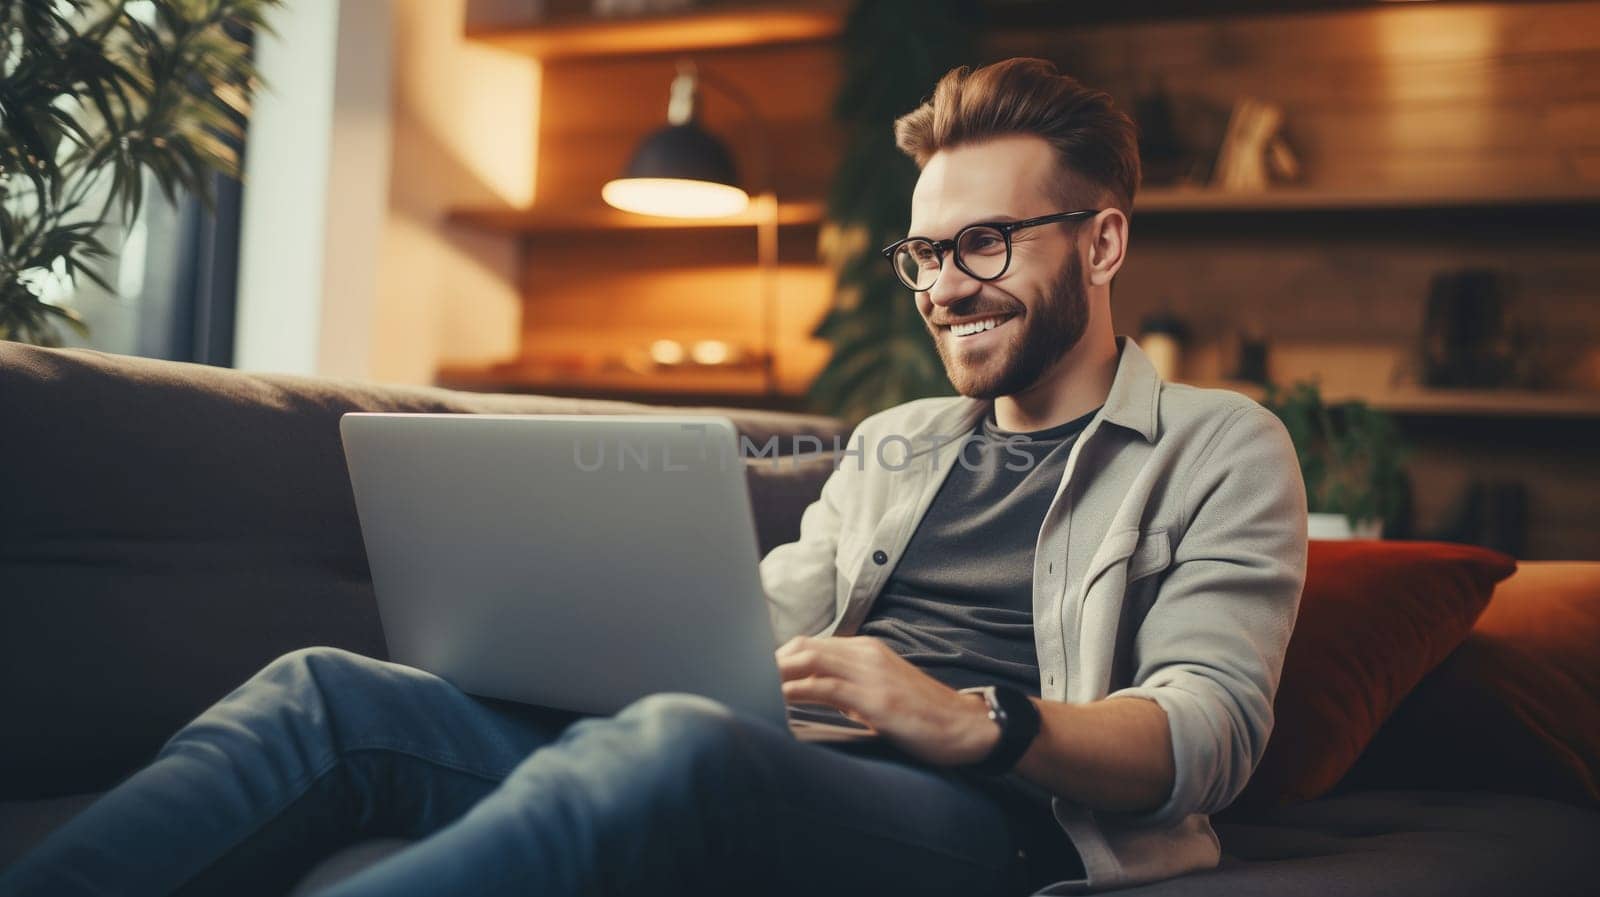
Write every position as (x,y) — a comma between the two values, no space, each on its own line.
(1040,339)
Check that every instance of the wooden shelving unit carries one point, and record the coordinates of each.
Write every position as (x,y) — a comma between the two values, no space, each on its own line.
(1161,202)
(737,386)
(570,41)
(1420,402)
(682,32)
(600,218)
(1199,200)
(517,377)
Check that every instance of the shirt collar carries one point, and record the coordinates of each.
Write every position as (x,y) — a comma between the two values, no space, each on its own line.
(1132,401)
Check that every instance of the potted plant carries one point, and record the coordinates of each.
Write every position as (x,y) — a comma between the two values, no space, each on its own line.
(1351,457)
(93,95)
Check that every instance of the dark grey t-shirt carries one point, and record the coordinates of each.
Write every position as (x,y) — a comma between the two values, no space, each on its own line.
(959,605)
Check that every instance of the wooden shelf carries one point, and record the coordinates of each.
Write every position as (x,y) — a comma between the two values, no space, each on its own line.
(733,386)
(1420,401)
(683,32)
(602,218)
(1159,201)
(732,382)
(1197,200)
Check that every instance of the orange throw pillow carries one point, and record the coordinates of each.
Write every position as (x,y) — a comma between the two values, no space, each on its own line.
(1375,617)
(1516,709)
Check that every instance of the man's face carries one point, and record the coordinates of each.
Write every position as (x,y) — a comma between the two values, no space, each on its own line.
(1040,303)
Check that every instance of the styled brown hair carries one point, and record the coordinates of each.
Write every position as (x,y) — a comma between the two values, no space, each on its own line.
(1096,144)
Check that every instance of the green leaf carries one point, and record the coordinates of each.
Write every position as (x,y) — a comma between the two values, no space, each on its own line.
(150,99)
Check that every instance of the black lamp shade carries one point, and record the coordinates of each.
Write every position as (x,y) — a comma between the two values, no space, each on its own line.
(685,152)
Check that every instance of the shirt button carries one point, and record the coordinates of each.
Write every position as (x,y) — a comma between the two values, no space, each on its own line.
(880,557)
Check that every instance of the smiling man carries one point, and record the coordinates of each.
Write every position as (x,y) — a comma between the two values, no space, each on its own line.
(1098,624)
(1061,599)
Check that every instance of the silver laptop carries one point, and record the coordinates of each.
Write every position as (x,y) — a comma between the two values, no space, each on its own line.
(571,561)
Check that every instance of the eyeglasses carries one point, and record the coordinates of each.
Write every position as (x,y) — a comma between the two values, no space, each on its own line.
(982,250)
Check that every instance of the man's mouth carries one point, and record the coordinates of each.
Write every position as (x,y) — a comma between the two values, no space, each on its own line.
(972,328)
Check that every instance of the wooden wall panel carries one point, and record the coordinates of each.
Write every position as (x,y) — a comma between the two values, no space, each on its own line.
(1402,96)
(1560,481)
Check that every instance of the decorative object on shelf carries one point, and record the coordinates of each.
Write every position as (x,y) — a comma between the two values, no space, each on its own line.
(894,51)
(668,352)
(1351,458)
(1165,158)
(1249,350)
(90,90)
(1254,152)
(1326,525)
(677,355)
(1492,513)
(682,171)
(1467,340)
(1162,336)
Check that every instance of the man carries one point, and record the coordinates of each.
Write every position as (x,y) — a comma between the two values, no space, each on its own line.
(1062,598)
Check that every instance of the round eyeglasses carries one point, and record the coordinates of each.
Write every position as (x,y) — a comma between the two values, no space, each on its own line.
(982,250)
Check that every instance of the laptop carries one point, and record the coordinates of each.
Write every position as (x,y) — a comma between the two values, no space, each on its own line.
(578,562)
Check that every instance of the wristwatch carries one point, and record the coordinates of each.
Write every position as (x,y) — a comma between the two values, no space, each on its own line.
(1018,719)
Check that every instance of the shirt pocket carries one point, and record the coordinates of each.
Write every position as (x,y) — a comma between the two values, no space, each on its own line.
(1134,554)
(1152,554)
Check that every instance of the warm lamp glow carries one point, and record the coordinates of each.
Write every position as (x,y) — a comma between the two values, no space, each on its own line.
(675,197)
(711,351)
(666,351)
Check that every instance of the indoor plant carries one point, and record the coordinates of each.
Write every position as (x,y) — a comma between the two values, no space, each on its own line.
(1351,457)
(94,94)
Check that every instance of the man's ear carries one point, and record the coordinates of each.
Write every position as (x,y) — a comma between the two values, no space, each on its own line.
(1108,245)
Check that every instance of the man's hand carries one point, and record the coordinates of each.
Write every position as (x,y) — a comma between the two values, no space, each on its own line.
(863,677)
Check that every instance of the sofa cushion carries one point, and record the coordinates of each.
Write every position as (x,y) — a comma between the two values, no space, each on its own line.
(1402,844)
(170,528)
(1375,617)
(1516,708)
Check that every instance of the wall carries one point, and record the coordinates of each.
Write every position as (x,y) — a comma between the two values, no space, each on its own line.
(316,172)
(465,118)
(379,116)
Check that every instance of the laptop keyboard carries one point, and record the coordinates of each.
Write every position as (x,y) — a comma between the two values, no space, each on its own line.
(818,713)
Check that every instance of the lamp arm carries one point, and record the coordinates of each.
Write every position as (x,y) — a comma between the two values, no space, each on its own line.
(763,130)
(766,224)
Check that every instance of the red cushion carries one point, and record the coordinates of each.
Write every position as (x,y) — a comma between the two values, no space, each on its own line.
(1516,708)
(1376,616)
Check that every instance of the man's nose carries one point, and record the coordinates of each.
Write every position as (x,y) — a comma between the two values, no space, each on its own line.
(953,284)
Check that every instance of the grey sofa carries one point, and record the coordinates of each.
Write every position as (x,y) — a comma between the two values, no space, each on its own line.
(167,529)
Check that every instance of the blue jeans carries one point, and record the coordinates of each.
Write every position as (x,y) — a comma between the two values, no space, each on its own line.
(674,795)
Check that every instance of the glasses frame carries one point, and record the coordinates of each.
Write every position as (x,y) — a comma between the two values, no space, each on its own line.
(940,247)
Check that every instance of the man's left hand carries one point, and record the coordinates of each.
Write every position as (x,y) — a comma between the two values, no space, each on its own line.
(866,679)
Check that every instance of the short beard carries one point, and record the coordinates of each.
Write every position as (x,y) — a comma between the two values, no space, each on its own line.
(1053,328)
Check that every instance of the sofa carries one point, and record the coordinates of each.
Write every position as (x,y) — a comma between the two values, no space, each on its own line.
(167,529)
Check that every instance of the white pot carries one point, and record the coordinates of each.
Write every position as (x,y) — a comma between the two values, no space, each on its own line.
(1337,526)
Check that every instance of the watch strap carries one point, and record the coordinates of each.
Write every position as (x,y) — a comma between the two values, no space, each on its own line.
(1018,720)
